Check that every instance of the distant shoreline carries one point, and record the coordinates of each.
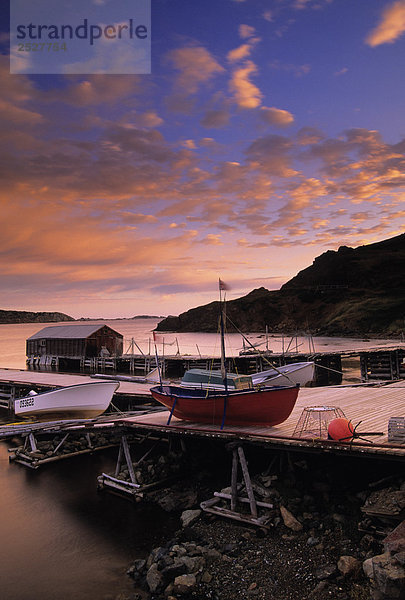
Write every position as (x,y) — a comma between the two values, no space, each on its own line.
(15,317)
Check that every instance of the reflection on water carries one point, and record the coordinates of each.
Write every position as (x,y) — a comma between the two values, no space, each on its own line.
(62,539)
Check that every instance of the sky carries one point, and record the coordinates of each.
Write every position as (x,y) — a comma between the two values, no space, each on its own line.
(268,132)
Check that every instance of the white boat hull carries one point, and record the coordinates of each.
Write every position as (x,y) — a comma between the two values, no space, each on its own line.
(301,373)
(85,400)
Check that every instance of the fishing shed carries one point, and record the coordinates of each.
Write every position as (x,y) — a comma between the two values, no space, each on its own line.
(75,342)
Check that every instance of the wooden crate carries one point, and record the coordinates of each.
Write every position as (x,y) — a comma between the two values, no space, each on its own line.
(396,430)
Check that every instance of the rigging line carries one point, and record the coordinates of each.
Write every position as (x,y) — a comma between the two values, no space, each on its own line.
(269,362)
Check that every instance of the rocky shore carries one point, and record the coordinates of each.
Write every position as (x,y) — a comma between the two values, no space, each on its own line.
(335,531)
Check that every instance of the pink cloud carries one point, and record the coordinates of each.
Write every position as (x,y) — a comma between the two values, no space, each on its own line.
(195,66)
(276,116)
(390,27)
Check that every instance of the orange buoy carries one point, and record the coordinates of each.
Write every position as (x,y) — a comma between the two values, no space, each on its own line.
(341,430)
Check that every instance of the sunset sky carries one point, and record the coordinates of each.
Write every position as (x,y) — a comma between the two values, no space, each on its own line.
(268,132)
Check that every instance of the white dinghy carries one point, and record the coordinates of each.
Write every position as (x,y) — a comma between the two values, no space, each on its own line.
(82,401)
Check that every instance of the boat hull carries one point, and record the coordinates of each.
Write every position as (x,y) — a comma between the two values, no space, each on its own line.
(266,407)
(86,400)
(301,373)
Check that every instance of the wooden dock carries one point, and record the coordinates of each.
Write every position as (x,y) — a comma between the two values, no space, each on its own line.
(372,406)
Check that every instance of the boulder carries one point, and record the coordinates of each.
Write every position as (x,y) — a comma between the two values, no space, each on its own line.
(154,579)
(183,584)
(189,516)
(289,520)
(387,576)
(348,564)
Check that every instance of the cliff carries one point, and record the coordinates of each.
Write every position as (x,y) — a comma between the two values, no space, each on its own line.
(22,316)
(351,291)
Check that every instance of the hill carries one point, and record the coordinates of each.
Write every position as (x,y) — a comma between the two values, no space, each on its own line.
(22,316)
(351,291)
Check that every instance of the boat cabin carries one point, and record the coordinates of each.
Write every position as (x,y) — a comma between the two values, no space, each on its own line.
(201,378)
(76,341)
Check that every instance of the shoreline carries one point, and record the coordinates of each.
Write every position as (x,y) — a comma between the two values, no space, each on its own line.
(316,548)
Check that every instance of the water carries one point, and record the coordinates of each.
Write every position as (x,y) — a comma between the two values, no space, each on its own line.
(62,539)
(12,341)
(59,537)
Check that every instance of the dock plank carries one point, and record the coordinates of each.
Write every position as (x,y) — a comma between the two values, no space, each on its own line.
(372,406)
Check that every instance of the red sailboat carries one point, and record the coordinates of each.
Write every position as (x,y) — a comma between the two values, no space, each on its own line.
(266,406)
(260,405)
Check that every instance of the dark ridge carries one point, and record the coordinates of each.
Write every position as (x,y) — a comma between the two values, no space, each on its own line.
(351,291)
(22,316)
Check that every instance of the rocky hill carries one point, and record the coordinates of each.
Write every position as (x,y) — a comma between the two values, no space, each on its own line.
(22,316)
(352,291)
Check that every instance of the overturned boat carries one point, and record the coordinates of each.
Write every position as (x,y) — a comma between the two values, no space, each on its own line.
(82,401)
(299,372)
(285,375)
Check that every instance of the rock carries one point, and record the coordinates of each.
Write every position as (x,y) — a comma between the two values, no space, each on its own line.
(192,564)
(399,558)
(312,541)
(289,520)
(189,516)
(184,584)
(206,577)
(212,555)
(395,541)
(154,579)
(318,589)
(171,572)
(348,564)
(175,500)
(325,572)
(387,577)
(338,518)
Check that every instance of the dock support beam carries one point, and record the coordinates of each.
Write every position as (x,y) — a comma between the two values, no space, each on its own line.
(212,505)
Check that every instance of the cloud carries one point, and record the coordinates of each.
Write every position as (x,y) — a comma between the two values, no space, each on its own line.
(276,116)
(391,26)
(148,118)
(246,31)
(245,93)
(215,119)
(195,66)
(342,71)
(213,239)
(309,135)
(239,53)
(272,154)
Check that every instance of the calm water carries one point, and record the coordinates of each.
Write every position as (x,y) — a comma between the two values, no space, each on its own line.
(12,341)
(59,537)
(62,539)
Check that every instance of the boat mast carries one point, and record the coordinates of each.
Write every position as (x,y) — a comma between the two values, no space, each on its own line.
(222,287)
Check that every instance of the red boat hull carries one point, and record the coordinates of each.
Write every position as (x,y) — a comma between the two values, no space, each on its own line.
(266,407)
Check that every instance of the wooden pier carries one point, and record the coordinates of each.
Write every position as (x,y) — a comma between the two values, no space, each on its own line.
(371,406)
(375,408)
